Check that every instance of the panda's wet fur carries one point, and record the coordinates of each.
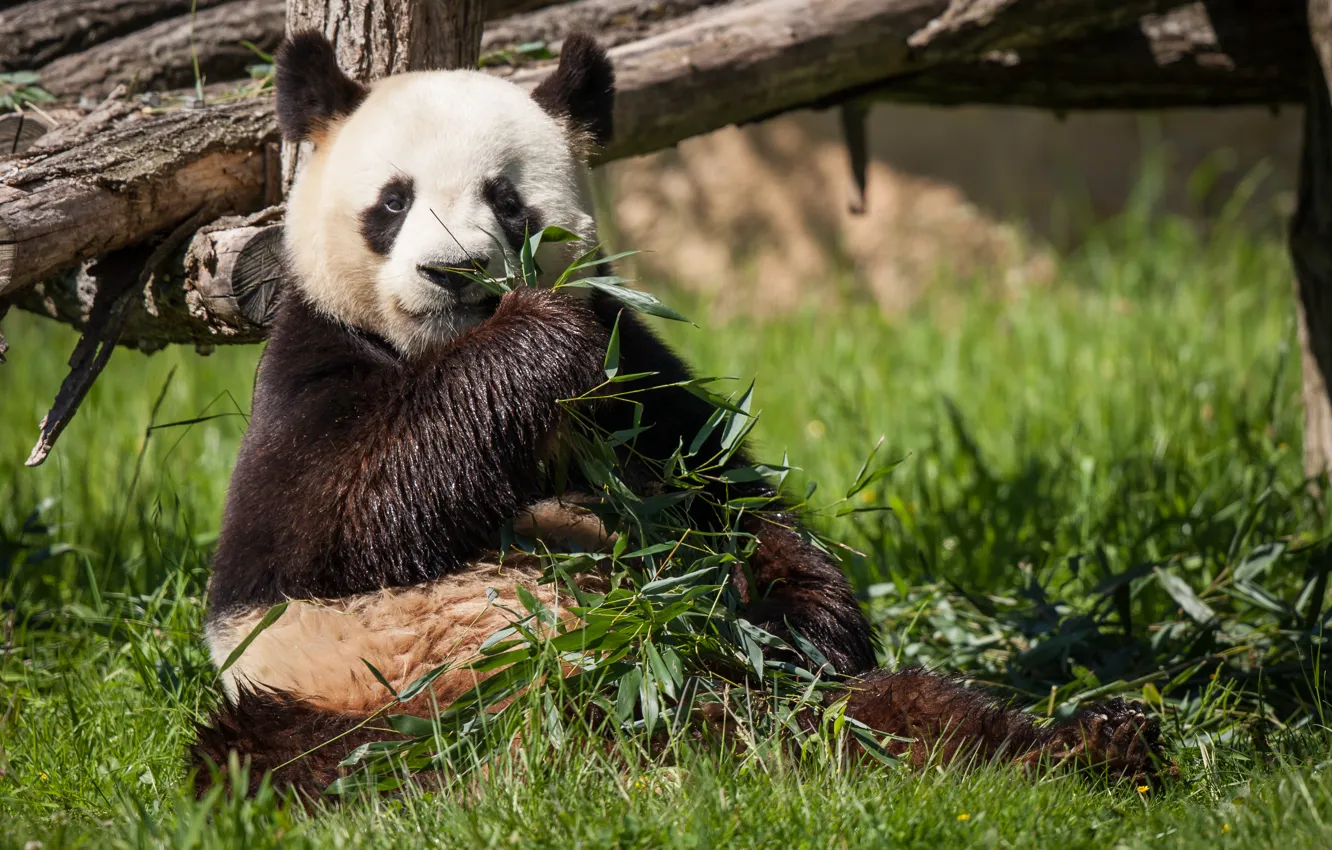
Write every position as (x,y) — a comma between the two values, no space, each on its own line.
(401,414)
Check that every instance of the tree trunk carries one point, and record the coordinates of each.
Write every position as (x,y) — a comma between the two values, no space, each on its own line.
(1311,248)
(163,56)
(34,33)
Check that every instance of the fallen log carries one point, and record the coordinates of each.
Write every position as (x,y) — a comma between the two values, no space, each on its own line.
(720,66)
(615,22)
(34,33)
(749,62)
(191,299)
(37,32)
(1200,55)
(164,55)
(135,179)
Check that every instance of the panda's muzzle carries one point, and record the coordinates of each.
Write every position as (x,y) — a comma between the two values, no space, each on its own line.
(451,281)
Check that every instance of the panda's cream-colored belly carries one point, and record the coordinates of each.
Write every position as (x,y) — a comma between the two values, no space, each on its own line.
(317,649)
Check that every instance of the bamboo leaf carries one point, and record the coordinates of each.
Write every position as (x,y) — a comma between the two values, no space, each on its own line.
(270,617)
(1259,560)
(380,677)
(1184,596)
(635,299)
(611,363)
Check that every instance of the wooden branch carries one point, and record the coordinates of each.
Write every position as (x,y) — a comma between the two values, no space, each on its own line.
(119,275)
(855,135)
(1218,54)
(34,33)
(138,178)
(1311,247)
(163,55)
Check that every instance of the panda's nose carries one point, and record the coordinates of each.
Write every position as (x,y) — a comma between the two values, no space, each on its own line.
(446,277)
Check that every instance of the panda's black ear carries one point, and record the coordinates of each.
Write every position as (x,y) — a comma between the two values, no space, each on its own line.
(312,91)
(582,89)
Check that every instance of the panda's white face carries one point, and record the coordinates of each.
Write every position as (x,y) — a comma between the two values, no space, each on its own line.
(430,171)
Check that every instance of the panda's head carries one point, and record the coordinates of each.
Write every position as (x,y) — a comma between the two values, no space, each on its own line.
(422,172)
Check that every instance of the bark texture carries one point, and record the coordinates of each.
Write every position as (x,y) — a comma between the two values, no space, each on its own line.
(614,22)
(1311,247)
(34,33)
(374,39)
(129,182)
(163,55)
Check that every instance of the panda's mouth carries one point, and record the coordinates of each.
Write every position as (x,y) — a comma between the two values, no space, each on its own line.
(471,310)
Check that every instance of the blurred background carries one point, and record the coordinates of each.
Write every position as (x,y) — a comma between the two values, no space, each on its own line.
(967,190)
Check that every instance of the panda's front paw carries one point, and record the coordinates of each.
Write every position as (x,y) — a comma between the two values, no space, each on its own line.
(1117,737)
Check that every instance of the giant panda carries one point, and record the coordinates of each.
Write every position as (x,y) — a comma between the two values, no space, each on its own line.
(401,415)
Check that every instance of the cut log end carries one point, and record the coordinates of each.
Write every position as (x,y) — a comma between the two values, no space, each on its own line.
(18,130)
(237,271)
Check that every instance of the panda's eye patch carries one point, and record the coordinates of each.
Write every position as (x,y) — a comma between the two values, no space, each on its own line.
(516,218)
(382,220)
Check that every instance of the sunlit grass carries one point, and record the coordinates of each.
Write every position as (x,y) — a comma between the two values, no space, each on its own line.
(1143,408)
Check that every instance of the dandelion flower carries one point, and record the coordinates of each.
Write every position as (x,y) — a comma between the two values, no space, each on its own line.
(1143,789)
(1225,827)
(964,816)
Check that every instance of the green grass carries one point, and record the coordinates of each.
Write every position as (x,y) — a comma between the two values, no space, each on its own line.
(1142,413)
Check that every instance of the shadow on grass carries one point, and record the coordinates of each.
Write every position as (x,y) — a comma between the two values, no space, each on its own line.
(1197,584)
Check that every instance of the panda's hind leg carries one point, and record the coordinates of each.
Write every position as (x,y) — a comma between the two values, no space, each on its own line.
(796,586)
(1116,736)
(945,722)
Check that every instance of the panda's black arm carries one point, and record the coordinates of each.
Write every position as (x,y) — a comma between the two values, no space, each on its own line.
(796,584)
(361,471)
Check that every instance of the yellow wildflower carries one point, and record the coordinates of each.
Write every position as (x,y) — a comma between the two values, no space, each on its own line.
(964,816)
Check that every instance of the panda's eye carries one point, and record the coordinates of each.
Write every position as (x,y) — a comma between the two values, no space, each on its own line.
(381,220)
